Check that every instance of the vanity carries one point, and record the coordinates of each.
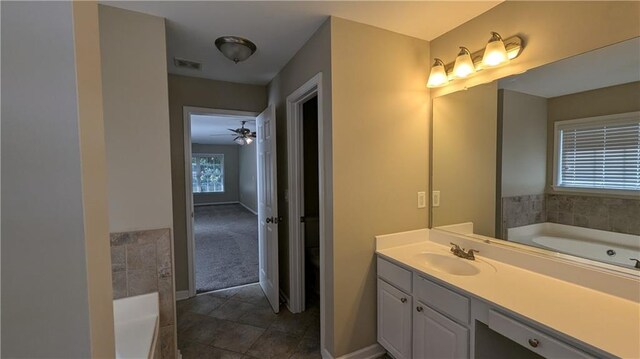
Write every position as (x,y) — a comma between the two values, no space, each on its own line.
(536,174)
(432,304)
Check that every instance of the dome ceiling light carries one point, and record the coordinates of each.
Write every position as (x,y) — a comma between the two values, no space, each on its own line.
(236,49)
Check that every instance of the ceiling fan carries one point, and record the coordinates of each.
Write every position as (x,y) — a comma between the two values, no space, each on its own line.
(244,136)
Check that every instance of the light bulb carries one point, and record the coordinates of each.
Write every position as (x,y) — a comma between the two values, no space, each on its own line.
(495,53)
(464,64)
(248,140)
(438,76)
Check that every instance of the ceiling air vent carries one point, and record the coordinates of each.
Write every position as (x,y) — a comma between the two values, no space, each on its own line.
(186,64)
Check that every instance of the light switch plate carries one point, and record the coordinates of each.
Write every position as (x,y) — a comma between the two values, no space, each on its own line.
(435,199)
(422,199)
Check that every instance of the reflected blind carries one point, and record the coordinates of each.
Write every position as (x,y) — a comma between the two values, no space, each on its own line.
(600,155)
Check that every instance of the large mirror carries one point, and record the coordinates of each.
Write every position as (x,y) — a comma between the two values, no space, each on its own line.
(549,158)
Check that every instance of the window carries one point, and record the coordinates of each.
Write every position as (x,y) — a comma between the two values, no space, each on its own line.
(599,153)
(207,173)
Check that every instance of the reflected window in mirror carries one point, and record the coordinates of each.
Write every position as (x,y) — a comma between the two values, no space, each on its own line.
(598,154)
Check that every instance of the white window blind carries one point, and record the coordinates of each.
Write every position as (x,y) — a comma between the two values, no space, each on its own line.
(599,153)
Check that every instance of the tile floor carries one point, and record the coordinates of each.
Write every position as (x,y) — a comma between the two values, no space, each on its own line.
(239,323)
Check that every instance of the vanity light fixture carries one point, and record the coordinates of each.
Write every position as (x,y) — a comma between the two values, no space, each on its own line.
(464,64)
(235,48)
(438,76)
(496,53)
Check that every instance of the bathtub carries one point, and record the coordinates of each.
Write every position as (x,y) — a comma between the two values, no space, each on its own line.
(136,322)
(603,246)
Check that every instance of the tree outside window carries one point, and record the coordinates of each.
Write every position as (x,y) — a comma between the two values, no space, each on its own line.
(207,172)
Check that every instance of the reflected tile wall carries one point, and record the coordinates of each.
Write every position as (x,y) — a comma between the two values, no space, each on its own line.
(520,211)
(620,215)
(140,264)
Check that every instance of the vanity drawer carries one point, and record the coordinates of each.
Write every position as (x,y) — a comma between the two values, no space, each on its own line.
(445,300)
(396,275)
(533,339)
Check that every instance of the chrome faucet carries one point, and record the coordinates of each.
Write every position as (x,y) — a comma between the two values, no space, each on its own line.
(460,252)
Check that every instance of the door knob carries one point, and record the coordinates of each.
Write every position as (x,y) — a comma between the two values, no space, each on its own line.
(269,219)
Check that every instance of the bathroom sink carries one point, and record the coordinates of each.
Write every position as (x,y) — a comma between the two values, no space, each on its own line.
(448,263)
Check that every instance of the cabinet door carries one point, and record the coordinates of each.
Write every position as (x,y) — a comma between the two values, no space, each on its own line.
(438,337)
(394,320)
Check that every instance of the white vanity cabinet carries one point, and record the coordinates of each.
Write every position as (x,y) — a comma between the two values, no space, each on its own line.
(394,320)
(421,319)
(436,336)
(395,308)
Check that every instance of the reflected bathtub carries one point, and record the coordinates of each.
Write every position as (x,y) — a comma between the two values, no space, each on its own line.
(603,246)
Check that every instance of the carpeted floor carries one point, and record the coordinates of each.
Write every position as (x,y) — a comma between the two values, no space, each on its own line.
(226,246)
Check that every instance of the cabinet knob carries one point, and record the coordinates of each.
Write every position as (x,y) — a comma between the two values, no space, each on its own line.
(419,309)
(403,300)
(534,342)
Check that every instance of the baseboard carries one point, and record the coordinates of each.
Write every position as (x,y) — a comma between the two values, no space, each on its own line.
(374,351)
(248,209)
(284,299)
(182,295)
(214,203)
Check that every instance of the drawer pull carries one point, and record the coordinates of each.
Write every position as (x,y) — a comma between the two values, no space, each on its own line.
(403,300)
(534,342)
(419,309)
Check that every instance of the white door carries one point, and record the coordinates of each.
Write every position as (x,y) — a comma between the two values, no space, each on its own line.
(268,206)
(394,320)
(436,336)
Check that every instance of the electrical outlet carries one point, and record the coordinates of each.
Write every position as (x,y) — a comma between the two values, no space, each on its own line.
(422,199)
(435,199)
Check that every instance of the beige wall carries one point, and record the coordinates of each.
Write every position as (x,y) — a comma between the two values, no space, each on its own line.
(464,157)
(231,173)
(379,95)
(56,289)
(604,101)
(524,144)
(552,30)
(196,92)
(313,58)
(248,177)
(136,119)
(94,177)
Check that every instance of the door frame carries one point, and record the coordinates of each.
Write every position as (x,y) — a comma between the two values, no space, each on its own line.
(187,111)
(294,102)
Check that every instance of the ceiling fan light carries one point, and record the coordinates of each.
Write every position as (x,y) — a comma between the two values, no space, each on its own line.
(495,53)
(248,140)
(235,48)
(463,66)
(239,140)
(438,76)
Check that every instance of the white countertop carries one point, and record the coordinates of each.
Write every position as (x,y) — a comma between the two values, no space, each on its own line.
(601,320)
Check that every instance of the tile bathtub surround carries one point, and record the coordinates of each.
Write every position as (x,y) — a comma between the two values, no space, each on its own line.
(520,211)
(140,264)
(620,215)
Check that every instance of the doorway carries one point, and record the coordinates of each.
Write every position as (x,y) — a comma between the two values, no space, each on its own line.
(220,154)
(306,199)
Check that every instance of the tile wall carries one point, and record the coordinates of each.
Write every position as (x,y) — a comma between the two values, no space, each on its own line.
(620,215)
